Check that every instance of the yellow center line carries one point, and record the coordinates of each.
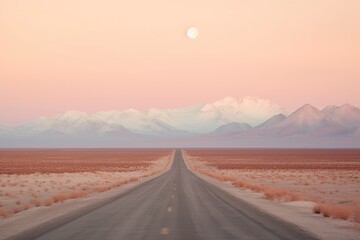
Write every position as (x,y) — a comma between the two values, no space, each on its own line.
(164,231)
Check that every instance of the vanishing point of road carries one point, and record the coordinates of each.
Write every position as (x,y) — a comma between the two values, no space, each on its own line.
(175,205)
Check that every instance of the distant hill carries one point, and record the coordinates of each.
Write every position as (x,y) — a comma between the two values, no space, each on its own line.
(230,122)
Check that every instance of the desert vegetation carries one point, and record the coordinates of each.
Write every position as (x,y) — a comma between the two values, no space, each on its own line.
(35,178)
(329,178)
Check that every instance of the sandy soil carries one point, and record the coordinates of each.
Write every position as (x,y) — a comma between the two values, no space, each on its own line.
(329,178)
(42,178)
(36,217)
(295,193)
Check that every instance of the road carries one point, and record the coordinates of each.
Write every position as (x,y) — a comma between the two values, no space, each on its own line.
(175,205)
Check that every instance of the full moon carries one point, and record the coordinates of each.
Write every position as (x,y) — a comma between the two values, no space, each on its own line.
(192,33)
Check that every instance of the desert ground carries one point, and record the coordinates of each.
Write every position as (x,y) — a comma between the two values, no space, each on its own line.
(330,179)
(34,178)
(175,204)
(182,194)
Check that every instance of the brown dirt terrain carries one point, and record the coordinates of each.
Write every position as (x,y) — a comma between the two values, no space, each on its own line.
(330,178)
(43,177)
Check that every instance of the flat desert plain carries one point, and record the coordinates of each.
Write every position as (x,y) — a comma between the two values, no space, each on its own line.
(43,177)
(330,179)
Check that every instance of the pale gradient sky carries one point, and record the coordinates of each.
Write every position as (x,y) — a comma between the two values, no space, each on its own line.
(93,55)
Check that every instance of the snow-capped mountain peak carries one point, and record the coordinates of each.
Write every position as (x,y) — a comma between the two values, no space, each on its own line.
(273,121)
(198,118)
(248,103)
(72,115)
(345,115)
(228,101)
(228,120)
(301,121)
(251,110)
(329,109)
(348,109)
(306,115)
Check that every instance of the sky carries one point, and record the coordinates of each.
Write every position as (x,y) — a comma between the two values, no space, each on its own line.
(93,55)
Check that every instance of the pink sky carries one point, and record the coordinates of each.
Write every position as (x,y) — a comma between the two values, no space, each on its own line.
(93,55)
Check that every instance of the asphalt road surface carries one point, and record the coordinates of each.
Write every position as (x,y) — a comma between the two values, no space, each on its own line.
(175,205)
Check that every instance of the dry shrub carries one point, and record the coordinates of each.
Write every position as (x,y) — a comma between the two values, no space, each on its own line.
(36,202)
(269,192)
(49,201)
(17,209)
(316,209)
(26,206)
(337,211)
(60,197)
(5,212)
(253,187)
(133,179)
(119,183)
(219,177)
(102,188)
(280,194)
(77,194)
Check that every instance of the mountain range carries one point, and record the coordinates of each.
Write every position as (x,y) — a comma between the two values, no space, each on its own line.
(230,122)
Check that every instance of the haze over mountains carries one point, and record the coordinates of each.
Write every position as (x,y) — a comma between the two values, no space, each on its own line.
(230,122)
